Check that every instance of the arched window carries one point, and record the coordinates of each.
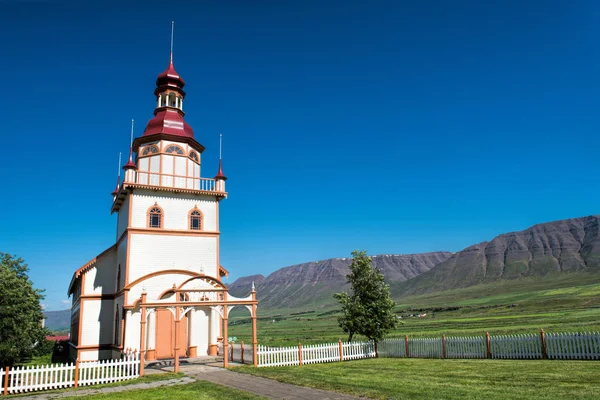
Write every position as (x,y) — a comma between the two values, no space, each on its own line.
(196,219)
(194,157)
(117,328)
(174,149)
(149,150)
(155,217)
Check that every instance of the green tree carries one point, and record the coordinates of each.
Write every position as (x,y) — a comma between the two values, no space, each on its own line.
(20,312)
(367,310)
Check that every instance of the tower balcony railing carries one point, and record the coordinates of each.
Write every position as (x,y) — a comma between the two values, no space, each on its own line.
(176,181)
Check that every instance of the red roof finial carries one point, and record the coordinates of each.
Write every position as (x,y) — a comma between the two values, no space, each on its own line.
(220,175)
(130,164)
(170,77)
(116,191)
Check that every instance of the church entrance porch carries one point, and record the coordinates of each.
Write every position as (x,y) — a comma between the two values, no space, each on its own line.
(186,319)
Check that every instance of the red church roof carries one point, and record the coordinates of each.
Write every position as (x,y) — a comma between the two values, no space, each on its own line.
(169,121)
(170,77)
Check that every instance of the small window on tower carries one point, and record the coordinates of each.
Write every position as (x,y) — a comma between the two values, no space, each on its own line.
(152,149)
(155,217)
(174,149)
(194,157)
(196,220)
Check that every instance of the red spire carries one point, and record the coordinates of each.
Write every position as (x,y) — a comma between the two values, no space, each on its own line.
(170,77)
(116,191)
(130,164)
(220,175)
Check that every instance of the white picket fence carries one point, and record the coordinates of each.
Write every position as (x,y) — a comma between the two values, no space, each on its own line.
(573,346)
(311,354)
(521,347)
(564,346)
(466,347)
(58,376)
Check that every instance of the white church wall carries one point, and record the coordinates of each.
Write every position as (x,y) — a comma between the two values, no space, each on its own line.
(97,322)
(175,207)
(100,279)
(122,261)
(132,330)
(200,330)
(123,217)
(152,253)
(118,305)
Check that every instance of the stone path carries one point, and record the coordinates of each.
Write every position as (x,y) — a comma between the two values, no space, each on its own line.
(88,392)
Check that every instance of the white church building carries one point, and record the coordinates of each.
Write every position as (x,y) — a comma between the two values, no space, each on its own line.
(158,288)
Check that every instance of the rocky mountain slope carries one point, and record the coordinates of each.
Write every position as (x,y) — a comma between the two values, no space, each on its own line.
(567,246)
(314,283)
(58,320)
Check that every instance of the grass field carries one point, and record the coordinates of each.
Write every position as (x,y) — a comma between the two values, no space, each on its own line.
(566,303)
(387,378)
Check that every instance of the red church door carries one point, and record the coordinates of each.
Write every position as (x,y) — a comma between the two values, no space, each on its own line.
(164,335)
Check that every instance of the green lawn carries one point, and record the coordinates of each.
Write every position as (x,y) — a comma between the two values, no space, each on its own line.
(387,378)
(199,390)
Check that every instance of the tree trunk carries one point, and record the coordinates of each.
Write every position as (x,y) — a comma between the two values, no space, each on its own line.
(350,336)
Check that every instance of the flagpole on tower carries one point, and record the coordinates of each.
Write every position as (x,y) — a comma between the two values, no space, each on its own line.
(172,31)
(220,146)
(131,138)
(119,168)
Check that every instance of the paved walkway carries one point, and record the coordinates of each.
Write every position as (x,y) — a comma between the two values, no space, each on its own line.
(260,386)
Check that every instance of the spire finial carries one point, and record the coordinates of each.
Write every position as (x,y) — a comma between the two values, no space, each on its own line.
(131,138)
(119,168)
(172,30)
(220,146)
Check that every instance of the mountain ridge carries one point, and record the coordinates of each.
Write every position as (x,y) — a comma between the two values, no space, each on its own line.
(570,245)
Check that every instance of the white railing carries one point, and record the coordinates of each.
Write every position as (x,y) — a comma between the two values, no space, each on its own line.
(58,376)
(311,354)
(175,181)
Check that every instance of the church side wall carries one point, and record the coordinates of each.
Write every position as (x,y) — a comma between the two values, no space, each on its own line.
(153,253)
(97,323)
(121,261)
(123,218)
(176,208)
(101,278)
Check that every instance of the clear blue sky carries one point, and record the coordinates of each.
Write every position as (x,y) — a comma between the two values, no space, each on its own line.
(396,127)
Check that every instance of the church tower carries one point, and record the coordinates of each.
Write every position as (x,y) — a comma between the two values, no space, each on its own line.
(168,225)
(159,288)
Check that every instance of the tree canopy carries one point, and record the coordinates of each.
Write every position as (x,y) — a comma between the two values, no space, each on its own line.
(368,309)
(21,313)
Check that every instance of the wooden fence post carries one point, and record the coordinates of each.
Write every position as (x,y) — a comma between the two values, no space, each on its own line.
(230,351)
(406,344)
(443,346)
(488,345)
(77,373)
(242,350)
(341,349)
(6,370)
(544,348)
(300,352)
